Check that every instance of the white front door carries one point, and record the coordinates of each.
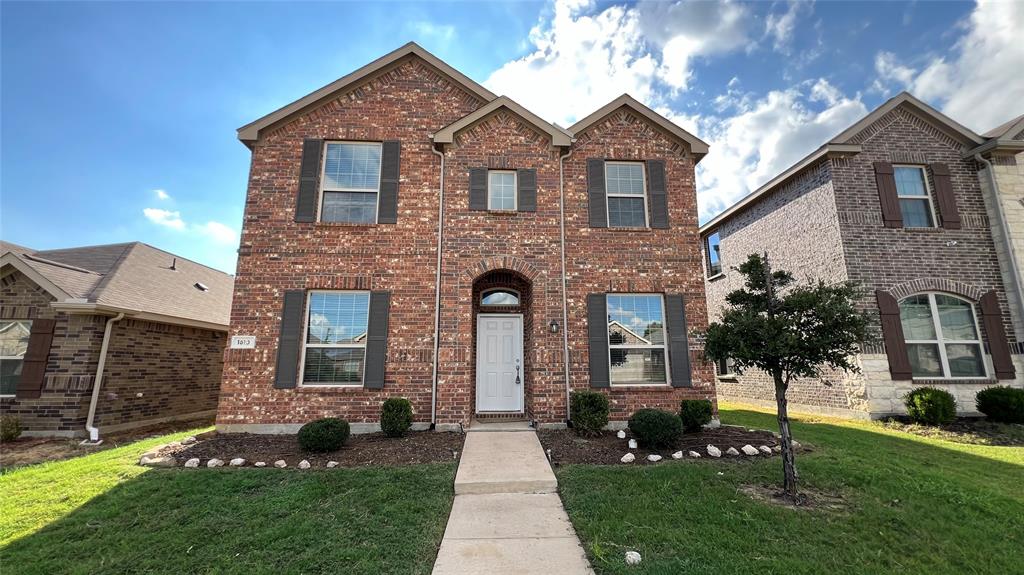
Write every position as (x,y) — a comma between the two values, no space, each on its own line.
(499,362)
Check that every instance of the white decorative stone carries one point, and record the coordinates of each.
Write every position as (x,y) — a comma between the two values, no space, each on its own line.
(732,451)
(628,458)
(765,450)
(654,458)
(158,461)
(714,451)
(304,464)
(194,462)
(693,454)
(750,450)
(621,434)
(678,455)
(237,462)
(796,445)
(260,464)
(215,463)
(632,444)
(632,558)
(332,464)
(188,440)
(280,464)
(720,473)
(777,449)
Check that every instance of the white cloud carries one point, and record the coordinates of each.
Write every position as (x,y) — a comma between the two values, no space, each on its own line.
(162,194)
(218,232)
(443,33)
(780,27)
(165,218)
(980,84)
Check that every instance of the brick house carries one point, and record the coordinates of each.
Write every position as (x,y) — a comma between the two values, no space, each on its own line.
(106,338)
(901,203)
(409,233)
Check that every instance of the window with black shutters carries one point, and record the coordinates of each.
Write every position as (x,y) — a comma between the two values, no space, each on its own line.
(350,182)
(626,195)
(334,342)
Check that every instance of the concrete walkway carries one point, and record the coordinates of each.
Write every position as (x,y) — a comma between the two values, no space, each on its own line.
(507,518)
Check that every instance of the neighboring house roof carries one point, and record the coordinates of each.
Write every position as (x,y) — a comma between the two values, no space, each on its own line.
(132,277)
(249,133)
(616,322)
(697,146)
(559,136)
(1009,129)
(1003,138)
(845,143)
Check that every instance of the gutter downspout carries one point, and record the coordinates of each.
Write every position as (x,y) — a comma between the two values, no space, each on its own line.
(565,281)
(94,432)
(1015,271)
(437,294)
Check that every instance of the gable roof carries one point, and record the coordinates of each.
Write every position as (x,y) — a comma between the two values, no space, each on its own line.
(249,133)
(1009,128)
(132,277)
(697,146)
(559,137)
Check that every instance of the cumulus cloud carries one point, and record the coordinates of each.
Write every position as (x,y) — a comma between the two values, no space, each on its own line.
(162,194)
(980,84)
(218,232)
(215,231)
(165,218)
(779,27)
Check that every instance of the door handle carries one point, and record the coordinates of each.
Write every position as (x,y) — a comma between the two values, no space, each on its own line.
(518,382)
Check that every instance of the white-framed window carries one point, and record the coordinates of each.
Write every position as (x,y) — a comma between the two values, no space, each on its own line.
(914,196)
(14,336)
(626,194)
(636,339)
(713,253)
(499,296)
(725,367)
(350,182)
(334,342)
(501,190)
(941,333)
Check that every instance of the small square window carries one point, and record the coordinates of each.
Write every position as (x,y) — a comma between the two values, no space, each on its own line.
(626,194)
(915,199)
(712,252)
(501,190)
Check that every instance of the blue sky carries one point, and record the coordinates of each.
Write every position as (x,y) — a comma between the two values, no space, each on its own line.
(118,120)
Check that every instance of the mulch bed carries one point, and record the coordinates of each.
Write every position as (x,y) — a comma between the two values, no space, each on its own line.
(971,430)
(364,450)
(607,449)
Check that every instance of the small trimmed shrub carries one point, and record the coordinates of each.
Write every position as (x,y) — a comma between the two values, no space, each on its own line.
(1001,403)
(588,411)
(395,416)
(323,435)
(930,406)
(695,413)
(10,428)
(654,428)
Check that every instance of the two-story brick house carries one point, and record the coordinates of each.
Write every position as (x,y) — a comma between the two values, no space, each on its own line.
(895,203)
(409,233)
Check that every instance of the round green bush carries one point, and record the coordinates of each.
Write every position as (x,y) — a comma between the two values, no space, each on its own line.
(10,428)
(695,414)
(930,406)
(1002,404)
(655,428)
(588,411)
(395,416)
(323,435)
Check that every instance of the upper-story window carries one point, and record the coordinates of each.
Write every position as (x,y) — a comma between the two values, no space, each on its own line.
(627,198)
(941,334)
(915,199)
(13,345)
(501,190)
(350,182)
(712,252)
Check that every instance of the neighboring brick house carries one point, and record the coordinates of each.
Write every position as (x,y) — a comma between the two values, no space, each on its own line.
(403,218)
(128,333)
(894,203)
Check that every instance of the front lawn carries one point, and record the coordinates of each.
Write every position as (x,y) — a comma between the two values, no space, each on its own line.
(912,505)
(101,513)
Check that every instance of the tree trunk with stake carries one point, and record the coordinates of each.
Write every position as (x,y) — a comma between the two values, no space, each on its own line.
(781,384)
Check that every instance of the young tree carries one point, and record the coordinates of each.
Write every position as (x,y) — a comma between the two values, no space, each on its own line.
(788,331)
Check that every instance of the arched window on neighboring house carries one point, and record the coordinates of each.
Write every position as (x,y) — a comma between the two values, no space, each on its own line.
(942,337)
(499,297)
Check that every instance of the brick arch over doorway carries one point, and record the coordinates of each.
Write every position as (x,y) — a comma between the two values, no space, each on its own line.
(516,281)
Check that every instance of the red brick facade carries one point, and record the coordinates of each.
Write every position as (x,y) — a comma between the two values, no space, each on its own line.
(409,101)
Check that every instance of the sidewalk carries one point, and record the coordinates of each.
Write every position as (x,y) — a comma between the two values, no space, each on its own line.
(507,518)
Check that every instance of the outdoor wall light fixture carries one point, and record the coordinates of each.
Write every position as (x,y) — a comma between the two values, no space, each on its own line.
(553,326)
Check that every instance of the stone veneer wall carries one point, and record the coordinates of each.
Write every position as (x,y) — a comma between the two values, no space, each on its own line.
(1009,174)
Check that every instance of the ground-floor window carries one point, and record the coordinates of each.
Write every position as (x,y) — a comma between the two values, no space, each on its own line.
(334,351)
(941,334)
(13,345)
(636,339)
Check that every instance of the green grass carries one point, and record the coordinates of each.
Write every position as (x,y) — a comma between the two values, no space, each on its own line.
(915,505)
(103,514)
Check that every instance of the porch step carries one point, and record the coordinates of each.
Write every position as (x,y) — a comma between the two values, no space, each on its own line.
(503,462)
(483,425)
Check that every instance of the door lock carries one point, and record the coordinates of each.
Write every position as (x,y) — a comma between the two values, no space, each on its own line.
(518,382)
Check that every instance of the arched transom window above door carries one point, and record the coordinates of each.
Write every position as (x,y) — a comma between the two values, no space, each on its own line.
(942,337)
(499,297)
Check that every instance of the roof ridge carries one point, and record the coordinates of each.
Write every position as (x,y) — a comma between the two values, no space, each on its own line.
(176,256)
(58,264)
(101,285)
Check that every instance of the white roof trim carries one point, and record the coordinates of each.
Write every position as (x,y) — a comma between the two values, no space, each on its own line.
(559,137)
(79,306)
(697,146)
(941,120)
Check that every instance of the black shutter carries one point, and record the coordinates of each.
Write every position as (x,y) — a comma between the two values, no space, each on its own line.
(387,200)
(947,199)
(998,346)
(478,189)
(527,182)
(309,176)
(657,193)
(892,335)
(892,217)
(376,340)
(33,367)
(597,333)
(290,340)
(596,194)
(678,340)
